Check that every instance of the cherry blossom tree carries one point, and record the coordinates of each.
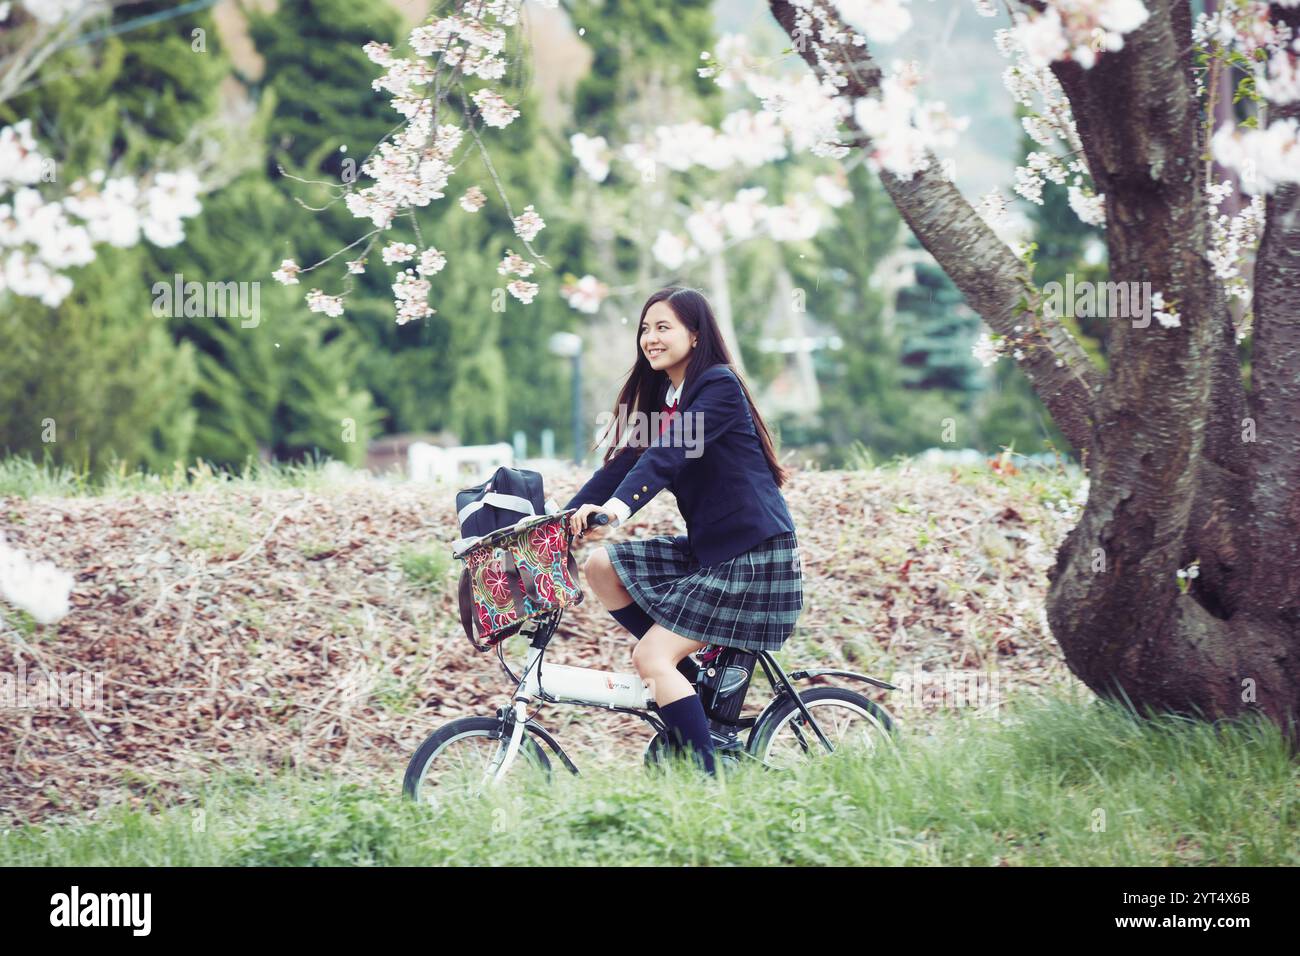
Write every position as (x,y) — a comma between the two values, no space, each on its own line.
(411,167)
(1177,588)
(47,226)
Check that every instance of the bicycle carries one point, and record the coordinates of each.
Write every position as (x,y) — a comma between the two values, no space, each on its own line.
(486,747)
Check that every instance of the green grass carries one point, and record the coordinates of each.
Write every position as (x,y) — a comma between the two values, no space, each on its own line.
(218,534)
(426,567)
(1069,781)
(23,477)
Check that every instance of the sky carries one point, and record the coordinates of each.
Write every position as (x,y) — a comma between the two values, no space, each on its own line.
(944,33)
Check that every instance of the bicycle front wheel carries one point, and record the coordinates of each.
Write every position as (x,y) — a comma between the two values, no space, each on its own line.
(851,723)
(458,757)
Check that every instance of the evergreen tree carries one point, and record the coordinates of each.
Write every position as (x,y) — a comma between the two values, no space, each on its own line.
(283,381)
(98,379)
(101,368)
(863,398)
(479,366)
(939,332)
(637,45)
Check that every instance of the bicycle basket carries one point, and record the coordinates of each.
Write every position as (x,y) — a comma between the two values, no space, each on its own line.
(514,574)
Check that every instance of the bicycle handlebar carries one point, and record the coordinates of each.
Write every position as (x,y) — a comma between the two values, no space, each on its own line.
(593,519)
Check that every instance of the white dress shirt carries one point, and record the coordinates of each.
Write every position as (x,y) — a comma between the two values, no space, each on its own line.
(621,508)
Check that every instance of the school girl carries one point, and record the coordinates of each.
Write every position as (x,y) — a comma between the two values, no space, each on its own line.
(735,577)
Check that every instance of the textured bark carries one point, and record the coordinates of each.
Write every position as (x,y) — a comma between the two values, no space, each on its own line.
(991,278)
(1171,479)
(1275,394)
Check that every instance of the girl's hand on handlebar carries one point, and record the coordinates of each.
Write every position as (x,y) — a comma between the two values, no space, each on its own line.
(579,519)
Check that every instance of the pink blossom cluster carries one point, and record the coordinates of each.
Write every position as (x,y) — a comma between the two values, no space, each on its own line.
(1078,30)
(38,587)
(1233,239)
(412,168)
(42,235)
(1266,156)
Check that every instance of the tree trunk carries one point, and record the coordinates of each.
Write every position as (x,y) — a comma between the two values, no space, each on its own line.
(1175,474)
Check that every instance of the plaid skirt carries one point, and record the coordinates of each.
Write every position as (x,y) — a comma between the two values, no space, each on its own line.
(751,601)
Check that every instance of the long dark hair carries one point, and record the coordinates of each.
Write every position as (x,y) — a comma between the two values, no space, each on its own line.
(645,385)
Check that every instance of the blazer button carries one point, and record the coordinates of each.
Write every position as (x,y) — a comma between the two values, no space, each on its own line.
(636,497)
(644,488)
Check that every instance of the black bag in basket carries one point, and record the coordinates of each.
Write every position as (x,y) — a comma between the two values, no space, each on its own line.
(510,494)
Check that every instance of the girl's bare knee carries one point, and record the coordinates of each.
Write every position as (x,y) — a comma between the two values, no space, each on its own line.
(647,662)
(597,567)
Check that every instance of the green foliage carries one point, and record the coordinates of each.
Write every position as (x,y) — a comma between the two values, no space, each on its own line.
(99,375)
(425,567)
(119,99)
(861,383)
(938,332)
(479,366)
(320,78)
(279,382)
(1065,781)
(170,73)
(638,45)
(100,372)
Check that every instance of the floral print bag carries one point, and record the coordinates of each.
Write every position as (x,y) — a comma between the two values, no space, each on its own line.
(517,573)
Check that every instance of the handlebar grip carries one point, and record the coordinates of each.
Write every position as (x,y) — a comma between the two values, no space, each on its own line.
(597,517)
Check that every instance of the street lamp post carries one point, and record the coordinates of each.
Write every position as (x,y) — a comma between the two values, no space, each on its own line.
(569,345)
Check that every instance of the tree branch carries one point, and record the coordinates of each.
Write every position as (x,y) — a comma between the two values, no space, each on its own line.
(982,267)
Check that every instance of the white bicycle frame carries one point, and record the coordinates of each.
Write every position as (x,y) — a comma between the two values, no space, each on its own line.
(568,685)
(628,693)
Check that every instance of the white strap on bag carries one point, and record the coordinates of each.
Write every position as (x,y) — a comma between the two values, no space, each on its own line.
(461,545)
(512,502)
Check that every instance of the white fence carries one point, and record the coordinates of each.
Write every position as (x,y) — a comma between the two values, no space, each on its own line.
(465,465)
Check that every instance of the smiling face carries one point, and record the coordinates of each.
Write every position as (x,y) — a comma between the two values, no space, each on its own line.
(665,341)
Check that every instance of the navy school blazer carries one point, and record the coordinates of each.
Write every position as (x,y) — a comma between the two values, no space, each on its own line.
(711,459)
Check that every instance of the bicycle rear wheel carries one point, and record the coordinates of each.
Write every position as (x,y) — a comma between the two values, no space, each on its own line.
(783,738)
(455,757)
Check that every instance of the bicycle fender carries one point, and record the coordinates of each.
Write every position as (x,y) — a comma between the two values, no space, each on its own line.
(832,672)
(538,730)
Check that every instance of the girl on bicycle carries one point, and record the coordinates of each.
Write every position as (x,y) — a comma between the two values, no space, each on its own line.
(735,577)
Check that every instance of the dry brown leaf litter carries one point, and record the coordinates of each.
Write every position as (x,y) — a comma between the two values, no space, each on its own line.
(244,629)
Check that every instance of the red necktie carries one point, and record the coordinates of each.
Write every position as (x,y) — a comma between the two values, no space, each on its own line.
(668,412)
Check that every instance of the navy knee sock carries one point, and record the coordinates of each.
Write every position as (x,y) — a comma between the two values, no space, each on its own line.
(635,619)
(687,725)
